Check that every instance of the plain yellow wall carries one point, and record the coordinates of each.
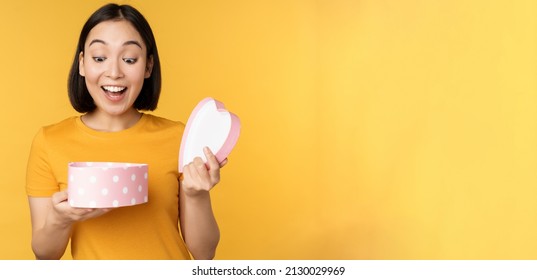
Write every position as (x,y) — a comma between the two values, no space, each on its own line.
(370,129)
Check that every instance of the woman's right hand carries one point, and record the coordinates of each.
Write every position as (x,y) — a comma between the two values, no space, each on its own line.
(52,221)
(67,215)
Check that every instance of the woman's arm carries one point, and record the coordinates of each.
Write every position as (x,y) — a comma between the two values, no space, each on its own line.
(198,224)
(52,222)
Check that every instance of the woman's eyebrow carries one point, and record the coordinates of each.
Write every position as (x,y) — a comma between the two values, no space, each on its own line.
(130,42)
(133,42)
(97,41)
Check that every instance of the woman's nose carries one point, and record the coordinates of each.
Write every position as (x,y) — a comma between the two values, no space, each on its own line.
(114,69)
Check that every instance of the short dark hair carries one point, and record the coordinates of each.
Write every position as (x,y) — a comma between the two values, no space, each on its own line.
(79,95)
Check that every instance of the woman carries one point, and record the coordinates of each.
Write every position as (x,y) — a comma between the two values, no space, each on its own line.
(115,75)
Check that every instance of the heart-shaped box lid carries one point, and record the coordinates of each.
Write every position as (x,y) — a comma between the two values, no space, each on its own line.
(209,125)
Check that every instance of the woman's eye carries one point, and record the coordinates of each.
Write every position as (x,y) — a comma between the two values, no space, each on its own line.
(99,58)
(130,60)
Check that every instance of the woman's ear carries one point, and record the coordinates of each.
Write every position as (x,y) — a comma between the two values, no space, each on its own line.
(81,64)
(149,67)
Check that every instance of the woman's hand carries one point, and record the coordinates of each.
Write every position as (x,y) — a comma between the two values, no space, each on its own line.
(200,177)
(52,222)
(66,214)
(198,225)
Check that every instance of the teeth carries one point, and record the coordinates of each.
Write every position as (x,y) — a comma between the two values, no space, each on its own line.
(113,88)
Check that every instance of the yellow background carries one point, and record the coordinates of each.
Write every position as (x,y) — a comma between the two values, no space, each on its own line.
(370,129)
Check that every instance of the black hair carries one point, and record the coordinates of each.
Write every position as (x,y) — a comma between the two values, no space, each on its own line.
(79,95)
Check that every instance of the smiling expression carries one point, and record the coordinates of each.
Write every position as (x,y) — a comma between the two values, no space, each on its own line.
(115,65)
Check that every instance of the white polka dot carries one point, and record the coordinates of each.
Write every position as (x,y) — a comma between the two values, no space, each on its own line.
(140,188)
(93,179)
(72,178)
(93,204)
(133,177)
(115,179)
(145,175)
(145,198)
(81,191)
(133,201)
(115,203)
(104,191)
(109,163)
(125,190)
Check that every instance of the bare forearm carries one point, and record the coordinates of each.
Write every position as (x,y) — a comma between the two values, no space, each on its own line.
(199,226)
(52,223)
(50,241)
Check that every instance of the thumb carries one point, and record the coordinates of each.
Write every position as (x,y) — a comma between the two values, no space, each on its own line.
(59,197)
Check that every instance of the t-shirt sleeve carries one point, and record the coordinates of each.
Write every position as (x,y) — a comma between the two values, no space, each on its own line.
(40,180)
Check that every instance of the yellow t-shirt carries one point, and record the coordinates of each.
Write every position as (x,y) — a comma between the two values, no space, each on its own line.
(145,231)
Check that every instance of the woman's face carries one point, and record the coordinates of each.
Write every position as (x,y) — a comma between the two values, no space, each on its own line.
(114,65)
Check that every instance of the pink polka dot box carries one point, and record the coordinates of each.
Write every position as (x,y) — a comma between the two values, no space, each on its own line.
(106,184)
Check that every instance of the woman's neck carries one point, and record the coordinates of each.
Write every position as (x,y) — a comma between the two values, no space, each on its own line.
(101,121)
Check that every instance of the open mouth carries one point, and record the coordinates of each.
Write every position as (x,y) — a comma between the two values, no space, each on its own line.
(114,90)
(114,93)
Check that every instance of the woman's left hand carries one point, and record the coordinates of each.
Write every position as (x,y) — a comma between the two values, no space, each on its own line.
(200,177)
